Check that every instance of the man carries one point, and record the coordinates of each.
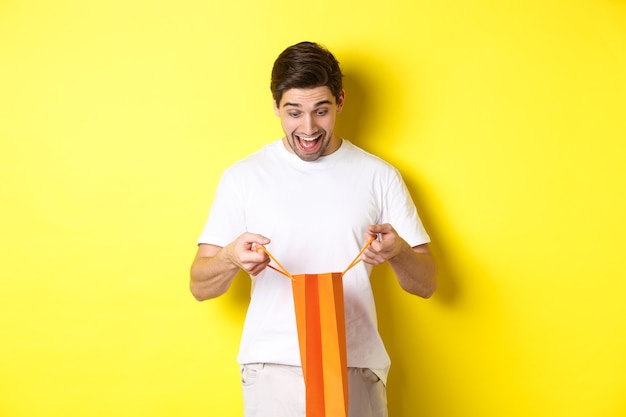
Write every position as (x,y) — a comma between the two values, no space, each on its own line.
(312,199)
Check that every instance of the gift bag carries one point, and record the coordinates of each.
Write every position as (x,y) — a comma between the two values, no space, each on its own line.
(320,319)
(318,300)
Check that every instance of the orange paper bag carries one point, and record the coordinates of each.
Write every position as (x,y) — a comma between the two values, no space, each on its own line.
(318,299)
(320,318)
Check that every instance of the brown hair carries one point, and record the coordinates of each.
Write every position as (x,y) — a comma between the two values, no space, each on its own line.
(305,65)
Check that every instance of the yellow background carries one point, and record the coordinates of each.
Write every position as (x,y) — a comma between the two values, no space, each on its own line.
(507,119)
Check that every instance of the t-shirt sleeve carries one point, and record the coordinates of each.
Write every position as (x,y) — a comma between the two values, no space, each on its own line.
(226,218)
(400,211)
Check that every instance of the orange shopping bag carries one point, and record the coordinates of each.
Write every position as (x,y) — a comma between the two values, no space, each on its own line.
(318,301)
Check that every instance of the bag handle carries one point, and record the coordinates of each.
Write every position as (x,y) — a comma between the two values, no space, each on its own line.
(282,270)
(358,257)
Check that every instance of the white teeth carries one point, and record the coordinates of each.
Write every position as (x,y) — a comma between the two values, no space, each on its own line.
(309,139)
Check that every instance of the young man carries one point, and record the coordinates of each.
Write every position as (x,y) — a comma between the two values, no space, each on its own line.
(311,198)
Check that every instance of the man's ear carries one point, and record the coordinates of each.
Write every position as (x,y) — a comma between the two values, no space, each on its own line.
(276,109)
(340,101)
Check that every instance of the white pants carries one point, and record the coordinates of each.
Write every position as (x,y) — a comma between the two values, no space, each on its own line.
(271,390)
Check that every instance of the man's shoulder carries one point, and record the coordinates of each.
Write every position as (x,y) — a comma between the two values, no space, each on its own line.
(359,154)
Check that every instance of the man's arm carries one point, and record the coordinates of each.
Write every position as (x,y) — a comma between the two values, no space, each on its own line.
(414,267)
(214,267)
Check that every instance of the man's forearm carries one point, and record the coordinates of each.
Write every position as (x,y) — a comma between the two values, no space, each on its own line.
(416,270)
(211,276)
(214,267)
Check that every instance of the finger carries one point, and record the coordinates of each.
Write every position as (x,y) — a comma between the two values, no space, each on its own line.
(371,249)
(369,235)
(254,239)
(372,258)
(380,228)
(258,268)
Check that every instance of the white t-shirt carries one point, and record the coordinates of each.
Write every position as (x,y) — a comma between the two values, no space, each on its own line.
(316,215)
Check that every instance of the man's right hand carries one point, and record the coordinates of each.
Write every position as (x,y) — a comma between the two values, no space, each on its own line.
(214,267)
(243,253)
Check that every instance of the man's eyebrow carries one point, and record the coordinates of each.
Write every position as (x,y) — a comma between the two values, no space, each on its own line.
(319,103)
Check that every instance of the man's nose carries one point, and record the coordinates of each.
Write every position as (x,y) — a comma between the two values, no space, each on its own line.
(309,127)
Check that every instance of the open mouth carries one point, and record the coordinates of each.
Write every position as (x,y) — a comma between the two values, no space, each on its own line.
(308,143)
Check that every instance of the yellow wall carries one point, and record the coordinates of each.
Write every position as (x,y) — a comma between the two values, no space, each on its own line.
(506,118)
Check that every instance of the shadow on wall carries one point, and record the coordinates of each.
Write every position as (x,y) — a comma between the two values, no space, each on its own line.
(354,117)
(359,118)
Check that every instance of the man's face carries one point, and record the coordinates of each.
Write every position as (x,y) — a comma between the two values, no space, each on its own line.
(308,119)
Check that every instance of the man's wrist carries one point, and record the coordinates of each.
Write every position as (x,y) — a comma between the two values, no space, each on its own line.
(229,258)
(401,248)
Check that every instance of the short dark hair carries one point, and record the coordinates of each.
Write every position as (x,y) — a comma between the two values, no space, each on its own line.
(305,65)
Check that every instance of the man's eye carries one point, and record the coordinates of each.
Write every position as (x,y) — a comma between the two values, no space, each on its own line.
(294,114)
(322,112)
